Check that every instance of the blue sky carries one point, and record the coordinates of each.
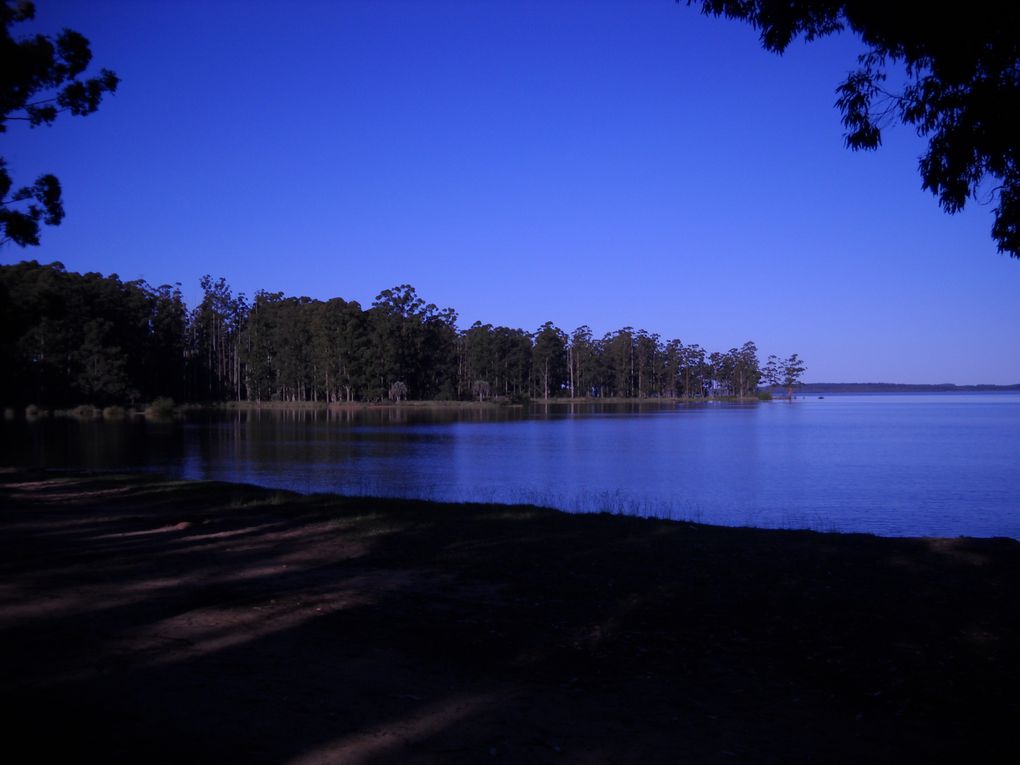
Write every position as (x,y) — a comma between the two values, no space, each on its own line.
(608,162)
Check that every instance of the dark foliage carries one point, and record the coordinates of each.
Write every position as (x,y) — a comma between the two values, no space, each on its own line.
(960,89)
(41,77)
(69,338)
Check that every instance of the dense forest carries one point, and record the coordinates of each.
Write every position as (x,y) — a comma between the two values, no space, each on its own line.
(69,338)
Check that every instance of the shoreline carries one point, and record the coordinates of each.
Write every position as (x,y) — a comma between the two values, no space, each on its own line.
(806,390)
(168,621)
(34,412)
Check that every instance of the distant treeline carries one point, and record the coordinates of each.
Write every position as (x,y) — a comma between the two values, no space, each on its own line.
(68,338)
(902,388)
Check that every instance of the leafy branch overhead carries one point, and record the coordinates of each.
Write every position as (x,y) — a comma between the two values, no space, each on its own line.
(960,72)
(41,78)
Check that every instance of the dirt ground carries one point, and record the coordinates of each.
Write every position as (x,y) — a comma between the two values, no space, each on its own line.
(144,620)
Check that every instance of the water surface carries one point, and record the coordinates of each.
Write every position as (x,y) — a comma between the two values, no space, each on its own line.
(899,464)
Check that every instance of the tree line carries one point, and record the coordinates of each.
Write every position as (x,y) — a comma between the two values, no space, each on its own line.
(68,338)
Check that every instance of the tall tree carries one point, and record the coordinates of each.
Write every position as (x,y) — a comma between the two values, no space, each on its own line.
(101,378)
(513,353)
(793,368)
(672,365)
(479,359)
(437,371)
(292,339)
(695,371)
(41,77)
(259,347)
(414,342)
(164,359)
(618,358)
(215,330)
(746,369)
(720,367)
(550,367)
(647,362)
(960,89)
(339,342)
(771,372)
(584,362)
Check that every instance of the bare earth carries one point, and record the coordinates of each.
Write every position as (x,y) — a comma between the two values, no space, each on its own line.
(144,620)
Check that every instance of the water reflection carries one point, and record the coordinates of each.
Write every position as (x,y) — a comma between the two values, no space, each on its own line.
(938,465)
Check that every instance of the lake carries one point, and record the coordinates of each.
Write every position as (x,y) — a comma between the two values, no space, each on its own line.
(943,464)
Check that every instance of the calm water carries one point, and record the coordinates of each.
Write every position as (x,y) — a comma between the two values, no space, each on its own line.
(939,464)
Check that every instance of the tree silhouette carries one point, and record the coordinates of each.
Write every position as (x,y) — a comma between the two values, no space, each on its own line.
(791,371)
(960,70)
(41,77)
(68,338)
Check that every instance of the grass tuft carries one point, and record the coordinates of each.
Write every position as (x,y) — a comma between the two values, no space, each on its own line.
(161,408)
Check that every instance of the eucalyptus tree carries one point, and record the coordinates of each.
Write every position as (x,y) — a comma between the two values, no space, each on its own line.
(514,354)
(719,365)
(414,342)
(648,355)
(771,372)
(111,333)
(792,370)
(695,371)
(549,360)
(672,368)
(478,359)
(295,359)
(101,376)
(618,358)
(747,372)
(339,340)
(216,327)
(164,361)
(438,353)
(258,347)
(583,361)
(392,329)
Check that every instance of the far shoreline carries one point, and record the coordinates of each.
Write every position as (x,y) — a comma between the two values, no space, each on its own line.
(166,408)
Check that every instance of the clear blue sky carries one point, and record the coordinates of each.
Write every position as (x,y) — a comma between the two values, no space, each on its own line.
(609,162)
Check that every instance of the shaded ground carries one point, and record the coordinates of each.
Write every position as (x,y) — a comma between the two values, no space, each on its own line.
(145,620)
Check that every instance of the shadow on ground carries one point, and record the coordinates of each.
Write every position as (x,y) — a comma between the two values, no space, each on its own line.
(146,620)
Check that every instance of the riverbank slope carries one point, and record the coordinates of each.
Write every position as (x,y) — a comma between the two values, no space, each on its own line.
(148,620)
